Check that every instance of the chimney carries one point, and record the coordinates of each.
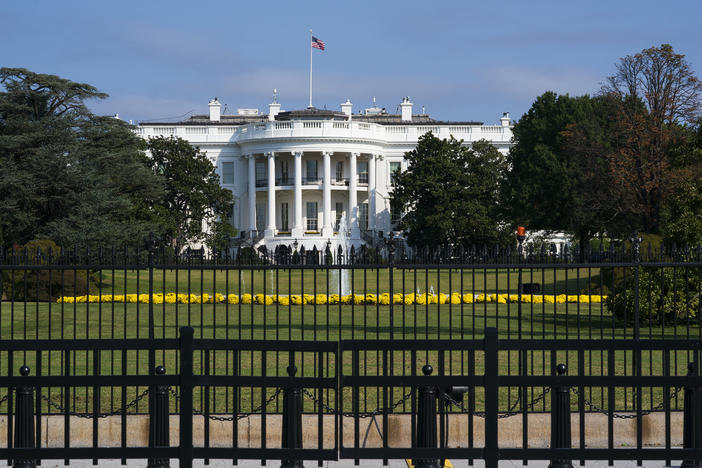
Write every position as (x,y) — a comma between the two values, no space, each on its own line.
(347,108)
(406,108)
(215,107)
(273,107)
(505,120)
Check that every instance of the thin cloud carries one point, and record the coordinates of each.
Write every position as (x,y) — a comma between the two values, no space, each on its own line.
(522,82)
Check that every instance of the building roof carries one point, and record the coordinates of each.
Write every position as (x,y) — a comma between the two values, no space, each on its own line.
(396,119)
(313,114)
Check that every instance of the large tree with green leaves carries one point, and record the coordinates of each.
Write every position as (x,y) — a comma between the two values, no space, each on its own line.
(67,174)
(449,193)
(193,195)
(558,171)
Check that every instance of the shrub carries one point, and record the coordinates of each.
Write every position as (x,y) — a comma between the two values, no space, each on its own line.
(667,293)
(45,285)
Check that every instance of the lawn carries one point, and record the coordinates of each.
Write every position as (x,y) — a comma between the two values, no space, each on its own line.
(49,320)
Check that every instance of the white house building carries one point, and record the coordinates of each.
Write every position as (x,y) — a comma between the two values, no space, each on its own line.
(296,175)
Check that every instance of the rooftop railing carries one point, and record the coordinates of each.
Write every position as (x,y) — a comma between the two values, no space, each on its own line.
(329,129)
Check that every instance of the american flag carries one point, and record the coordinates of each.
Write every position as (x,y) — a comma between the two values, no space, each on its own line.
(317,43)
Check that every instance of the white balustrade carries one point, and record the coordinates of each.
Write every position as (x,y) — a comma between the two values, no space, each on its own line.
(331,129)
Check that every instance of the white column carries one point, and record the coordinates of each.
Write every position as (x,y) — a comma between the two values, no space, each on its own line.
(371,192)
(327,229)
(270,222)
(354,231)
(297,230)
(252,191)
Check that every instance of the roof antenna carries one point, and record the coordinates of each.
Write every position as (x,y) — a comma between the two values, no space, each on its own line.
(275,96)
(226,109)
(424,113)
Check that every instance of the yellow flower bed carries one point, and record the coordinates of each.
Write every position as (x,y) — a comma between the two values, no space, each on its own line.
(335,299)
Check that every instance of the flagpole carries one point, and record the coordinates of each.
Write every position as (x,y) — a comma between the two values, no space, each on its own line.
(309,44)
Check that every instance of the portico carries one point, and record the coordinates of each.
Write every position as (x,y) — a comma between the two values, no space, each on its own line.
(269,181)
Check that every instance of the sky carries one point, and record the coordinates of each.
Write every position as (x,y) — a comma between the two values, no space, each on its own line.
(462,60)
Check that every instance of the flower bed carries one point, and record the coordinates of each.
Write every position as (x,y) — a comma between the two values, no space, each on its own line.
(321,299)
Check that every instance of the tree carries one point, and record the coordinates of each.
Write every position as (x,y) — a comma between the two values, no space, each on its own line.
(449,193)
(192,195)
(681,212)
(557,178)
(69,175)
(657,93)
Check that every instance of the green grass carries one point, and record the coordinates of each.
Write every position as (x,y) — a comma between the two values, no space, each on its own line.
(282,281)
(44,320)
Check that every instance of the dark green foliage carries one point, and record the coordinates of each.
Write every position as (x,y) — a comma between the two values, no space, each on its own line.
(449,193)
(192,194)
(682,214)
(44,285)
(67,174)
(557,178)
(665,294)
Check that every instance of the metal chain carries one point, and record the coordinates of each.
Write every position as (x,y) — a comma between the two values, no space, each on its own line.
(508,413)
(377,412)
(5,398)
(596,408)
(129,405)
(239,416)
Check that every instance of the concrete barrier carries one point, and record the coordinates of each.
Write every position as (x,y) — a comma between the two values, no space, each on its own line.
(249,431)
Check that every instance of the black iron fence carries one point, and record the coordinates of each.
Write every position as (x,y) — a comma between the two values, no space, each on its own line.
(384,293)
(453,410)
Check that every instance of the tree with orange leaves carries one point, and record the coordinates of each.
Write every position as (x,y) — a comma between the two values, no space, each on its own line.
(657,96)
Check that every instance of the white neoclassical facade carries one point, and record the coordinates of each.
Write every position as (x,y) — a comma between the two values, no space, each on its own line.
(296,175)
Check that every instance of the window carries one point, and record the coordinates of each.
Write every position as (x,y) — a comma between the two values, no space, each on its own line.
(227,172)
(395,214)
(395,168)
(363,172)
(363,216)
(260,173)
(339,214)
(260,216)
(340,171)
(284,180)
(284,217)
(311,170)
(311,216)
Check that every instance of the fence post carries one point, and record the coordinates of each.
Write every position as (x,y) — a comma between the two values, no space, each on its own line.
(560,419)
(186,398)
(426,421)
(158,422)
(292,420)
(491,398)
(391,283)
(24,421)
(692,414)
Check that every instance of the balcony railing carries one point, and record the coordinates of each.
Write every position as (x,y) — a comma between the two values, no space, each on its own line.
(344,181)
(340,181)
(329,128)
